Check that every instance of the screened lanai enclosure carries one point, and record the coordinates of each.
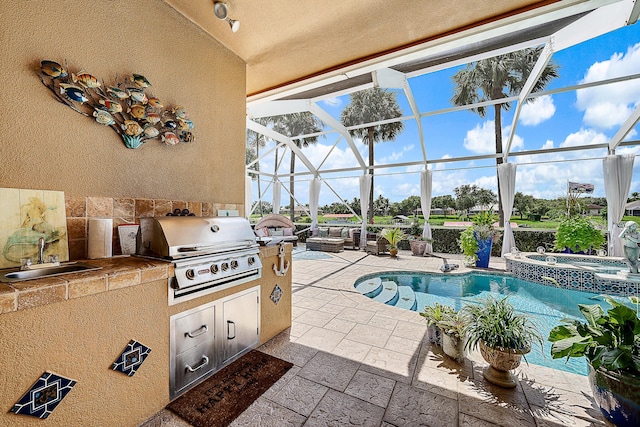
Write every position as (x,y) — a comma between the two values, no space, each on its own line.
(519,104)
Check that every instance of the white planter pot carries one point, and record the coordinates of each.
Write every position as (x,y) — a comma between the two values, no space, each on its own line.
(453,347)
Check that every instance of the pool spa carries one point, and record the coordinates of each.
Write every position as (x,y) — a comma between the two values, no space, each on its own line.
(544,305)
(596,274)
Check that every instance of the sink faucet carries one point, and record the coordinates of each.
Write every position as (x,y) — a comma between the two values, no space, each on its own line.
(41,250)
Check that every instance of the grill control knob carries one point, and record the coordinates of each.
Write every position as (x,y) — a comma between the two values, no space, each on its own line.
(234,264)
(190,274)
(224,266)
(251,260)
(215,228)
(214,269)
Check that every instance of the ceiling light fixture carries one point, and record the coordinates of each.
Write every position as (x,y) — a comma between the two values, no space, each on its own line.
(221,10)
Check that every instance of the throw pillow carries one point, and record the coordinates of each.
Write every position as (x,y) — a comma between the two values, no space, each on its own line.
(277,232)
(323,232)
(262,232)
(335,231)
(288,231)
(345,233)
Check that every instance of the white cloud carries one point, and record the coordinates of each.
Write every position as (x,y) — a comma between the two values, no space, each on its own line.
(584,137)
(481,139)
(537,111)
(395,156)
(547,174)
(609,105)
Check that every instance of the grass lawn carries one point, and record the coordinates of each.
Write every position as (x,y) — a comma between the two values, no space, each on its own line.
(546,223)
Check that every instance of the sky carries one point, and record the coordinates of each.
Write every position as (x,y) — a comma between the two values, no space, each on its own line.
(587,116)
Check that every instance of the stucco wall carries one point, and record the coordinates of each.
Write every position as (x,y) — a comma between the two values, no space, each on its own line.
(46,145)
(79,338)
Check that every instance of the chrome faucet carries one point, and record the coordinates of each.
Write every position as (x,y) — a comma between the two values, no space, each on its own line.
(41,250)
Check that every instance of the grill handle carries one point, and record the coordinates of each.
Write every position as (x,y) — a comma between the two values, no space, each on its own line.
(217,247)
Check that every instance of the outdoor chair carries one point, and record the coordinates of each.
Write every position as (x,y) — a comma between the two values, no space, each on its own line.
(378,246)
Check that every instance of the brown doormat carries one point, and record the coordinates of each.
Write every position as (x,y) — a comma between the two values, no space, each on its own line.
(220,399)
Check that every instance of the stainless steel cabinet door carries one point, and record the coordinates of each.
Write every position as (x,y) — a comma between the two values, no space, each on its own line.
(240,322)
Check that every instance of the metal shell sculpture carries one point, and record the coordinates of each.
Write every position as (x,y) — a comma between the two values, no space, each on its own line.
(123,105)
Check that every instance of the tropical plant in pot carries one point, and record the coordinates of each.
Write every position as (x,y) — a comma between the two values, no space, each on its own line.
(578,234)
(434,314)
(502,335)
(393,236)
(476,241)
(611,344)
(452,326)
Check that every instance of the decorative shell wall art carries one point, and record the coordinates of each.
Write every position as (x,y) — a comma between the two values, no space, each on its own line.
(123,106)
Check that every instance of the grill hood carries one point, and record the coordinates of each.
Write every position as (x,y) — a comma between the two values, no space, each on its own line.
(176,237)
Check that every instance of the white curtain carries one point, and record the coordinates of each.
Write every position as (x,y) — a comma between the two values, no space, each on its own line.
(425,204)
(277,188)
(507,177)
(617,170)
(247,196)
(365,188)
(314,197)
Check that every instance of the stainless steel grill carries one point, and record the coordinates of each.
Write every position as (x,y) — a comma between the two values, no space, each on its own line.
(208,254)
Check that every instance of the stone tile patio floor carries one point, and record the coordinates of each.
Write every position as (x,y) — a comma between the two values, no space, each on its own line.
(358,362)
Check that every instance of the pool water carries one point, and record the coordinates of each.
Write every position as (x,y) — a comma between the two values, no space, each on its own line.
(545,306)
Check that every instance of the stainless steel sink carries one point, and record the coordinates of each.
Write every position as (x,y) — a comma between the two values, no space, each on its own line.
(16,275)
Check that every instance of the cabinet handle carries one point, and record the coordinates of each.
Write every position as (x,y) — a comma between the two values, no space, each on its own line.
(203,363)
(201,330)
(229,337)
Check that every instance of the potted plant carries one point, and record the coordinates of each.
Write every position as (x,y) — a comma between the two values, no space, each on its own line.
(453,326)
(476,241)
(469,246)
(417,243)
(393,236)
(611,344)
(503,336)
(578,234)
(434,314)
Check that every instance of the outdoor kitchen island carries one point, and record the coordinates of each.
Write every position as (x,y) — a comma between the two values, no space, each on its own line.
(78,326)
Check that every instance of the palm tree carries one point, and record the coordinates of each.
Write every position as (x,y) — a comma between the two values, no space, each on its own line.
(370,106)
(293,125)
(495,78)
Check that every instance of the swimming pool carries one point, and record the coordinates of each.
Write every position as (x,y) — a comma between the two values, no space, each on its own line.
(544,305)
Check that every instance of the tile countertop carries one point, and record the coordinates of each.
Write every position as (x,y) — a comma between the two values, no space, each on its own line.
(116,273)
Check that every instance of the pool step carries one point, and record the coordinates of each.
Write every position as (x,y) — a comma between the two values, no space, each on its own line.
(370,288)
(406,298)
(389,294)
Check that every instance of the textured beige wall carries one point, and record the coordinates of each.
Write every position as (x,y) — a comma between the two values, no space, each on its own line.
(46,145)
(80,338)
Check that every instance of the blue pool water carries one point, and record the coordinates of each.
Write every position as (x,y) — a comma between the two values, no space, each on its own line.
(544,305)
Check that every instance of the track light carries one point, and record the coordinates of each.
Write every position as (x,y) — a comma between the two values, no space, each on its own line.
(221,10)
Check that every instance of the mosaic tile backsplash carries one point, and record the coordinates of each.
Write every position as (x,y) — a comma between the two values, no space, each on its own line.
(124,211)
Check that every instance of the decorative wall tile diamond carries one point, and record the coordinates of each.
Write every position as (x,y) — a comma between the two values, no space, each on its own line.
(131,358)
(44,395)
(276,294)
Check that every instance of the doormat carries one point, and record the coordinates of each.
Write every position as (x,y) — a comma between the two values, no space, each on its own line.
(220,399)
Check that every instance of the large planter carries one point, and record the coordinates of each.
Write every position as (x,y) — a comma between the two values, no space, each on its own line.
(453,346)
(418,247)
(501,361)
(617,395)
(484,252)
